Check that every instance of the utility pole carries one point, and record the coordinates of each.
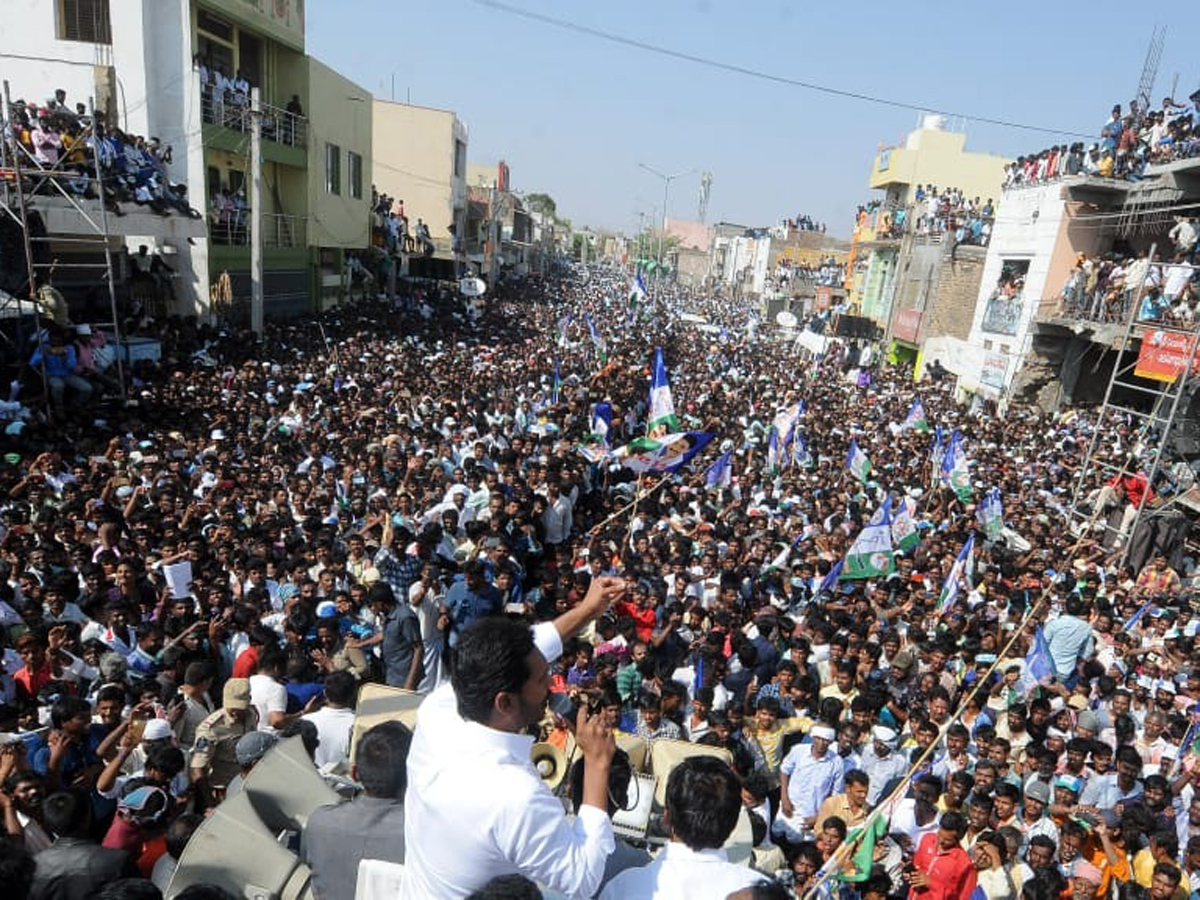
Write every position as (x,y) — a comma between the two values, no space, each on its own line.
(667,179)
(256,216)
(112,287)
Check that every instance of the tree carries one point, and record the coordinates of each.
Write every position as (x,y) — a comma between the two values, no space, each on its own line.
(646,245)
(542,203)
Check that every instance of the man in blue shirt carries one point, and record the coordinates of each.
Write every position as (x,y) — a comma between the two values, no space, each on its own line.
(1069,638)
(67,752)
(61,364)
(470,599)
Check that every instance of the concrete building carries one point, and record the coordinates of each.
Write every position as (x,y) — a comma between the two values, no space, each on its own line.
(1025,340)
(929,156)
(420,157)
(142,61)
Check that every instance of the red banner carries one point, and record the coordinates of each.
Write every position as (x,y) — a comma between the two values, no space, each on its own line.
(907,325)
(824,293)
(1163,355)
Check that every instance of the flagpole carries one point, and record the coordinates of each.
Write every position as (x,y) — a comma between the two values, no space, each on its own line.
(633,503)
(838,860)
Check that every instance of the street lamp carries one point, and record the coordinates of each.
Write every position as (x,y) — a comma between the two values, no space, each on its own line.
(667,179)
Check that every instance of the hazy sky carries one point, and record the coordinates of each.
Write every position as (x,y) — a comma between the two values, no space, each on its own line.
(573,114)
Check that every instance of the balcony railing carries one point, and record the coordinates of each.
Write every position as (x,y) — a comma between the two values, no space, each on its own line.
(279,231)
(231,109)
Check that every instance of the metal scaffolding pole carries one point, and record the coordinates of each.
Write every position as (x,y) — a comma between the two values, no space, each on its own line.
(112,287)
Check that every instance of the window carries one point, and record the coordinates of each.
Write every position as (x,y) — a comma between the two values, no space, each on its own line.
(84,20)
(333,169)
(460,159)
(354,171)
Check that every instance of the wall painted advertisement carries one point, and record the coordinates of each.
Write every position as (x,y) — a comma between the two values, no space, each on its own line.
(1163,355)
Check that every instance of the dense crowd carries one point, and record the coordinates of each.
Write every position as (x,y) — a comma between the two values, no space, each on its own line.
(1128,143)
(185,580)
(54,138)
(1106,287)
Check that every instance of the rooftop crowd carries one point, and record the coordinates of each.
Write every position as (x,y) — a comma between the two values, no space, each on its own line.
(387,491)
(66,141)
(1128,143)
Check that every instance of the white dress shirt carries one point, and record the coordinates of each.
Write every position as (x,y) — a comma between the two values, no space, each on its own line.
(681,873)
(476,808)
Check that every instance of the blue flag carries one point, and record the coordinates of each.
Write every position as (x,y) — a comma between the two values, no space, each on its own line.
(1038,664)
(951,588)
(1137,616)
(557,386)
(829,582)
(661,419)
(720,473)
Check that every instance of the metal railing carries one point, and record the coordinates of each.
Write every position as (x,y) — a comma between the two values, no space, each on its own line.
(231,109)
(232,228)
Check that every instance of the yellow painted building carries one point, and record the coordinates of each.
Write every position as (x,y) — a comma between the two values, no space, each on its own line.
(420,157)
(931,155)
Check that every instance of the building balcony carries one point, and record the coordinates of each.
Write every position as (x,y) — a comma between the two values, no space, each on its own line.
(226,121)
(279,231)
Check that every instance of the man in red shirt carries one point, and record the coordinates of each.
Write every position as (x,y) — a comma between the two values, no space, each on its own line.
(641,610)
(941,868)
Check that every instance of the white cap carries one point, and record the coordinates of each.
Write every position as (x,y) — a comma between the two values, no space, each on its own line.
(157,730)
(824,732)
(884,735)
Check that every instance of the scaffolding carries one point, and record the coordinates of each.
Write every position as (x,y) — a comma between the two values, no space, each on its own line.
(19,167)
(1153,422)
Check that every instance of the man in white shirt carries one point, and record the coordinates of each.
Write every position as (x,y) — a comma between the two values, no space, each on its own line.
(268,694)
(557,517)
(478,807)
(704,801)
(334,721)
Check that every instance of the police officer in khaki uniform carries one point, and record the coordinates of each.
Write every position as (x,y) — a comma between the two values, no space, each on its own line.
(214,759)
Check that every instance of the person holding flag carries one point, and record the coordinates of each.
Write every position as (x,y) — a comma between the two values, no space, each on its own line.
(950,589)
(871,554)
(720,474)
(662,408)
(915,420)
(857,462)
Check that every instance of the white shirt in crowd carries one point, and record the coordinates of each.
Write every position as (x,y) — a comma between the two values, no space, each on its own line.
(333,729)
(681,873)
(267,696)
(477,783)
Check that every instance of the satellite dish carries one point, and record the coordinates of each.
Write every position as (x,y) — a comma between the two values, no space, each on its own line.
(472,287)
(786,319)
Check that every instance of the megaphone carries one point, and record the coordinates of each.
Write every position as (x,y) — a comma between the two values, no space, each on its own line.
(380,703)
(666,754)
(284,787)
(234,850)
(550,763)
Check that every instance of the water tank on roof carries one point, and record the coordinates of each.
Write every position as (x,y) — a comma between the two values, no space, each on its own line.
(933,122)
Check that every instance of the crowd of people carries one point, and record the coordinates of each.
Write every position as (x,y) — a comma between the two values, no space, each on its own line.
(1105,287)
(395,492)
(1128,143)
(828,271)
(966,221)
(64,143)
(391,230)
(805,222)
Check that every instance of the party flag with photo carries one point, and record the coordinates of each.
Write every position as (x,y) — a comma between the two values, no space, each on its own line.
(596,446)
(829,582)
(662,408)
(916,417)
(905,534)
(950,589)
(991,514)
(720,473)
(857,462)
(800,455)
(871,554)
(668,453)
(773,451)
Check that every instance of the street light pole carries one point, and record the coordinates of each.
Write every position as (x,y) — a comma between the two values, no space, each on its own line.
(667,179)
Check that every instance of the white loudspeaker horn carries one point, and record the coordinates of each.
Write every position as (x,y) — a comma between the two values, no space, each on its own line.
(284,787)
(380,703)
(665,755)
(550,762)
(234,850)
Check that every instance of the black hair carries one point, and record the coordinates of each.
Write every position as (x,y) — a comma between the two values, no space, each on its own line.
(381,760)
(129,889)
(168,760)
(507,887)
(341,688)
(857,776)
(703,802)
(954,821)
(180,832)
(67,813)
(492,658)
(67,708)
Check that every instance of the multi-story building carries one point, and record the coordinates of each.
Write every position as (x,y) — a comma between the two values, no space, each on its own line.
(907,271)
(420,158)
(1029,337)
(152,67)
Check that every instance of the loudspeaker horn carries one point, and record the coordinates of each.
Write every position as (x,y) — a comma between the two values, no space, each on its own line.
(285,787)
(550,762)
(234,850)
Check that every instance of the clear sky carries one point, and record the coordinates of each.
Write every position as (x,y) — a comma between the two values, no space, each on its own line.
(573,115)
